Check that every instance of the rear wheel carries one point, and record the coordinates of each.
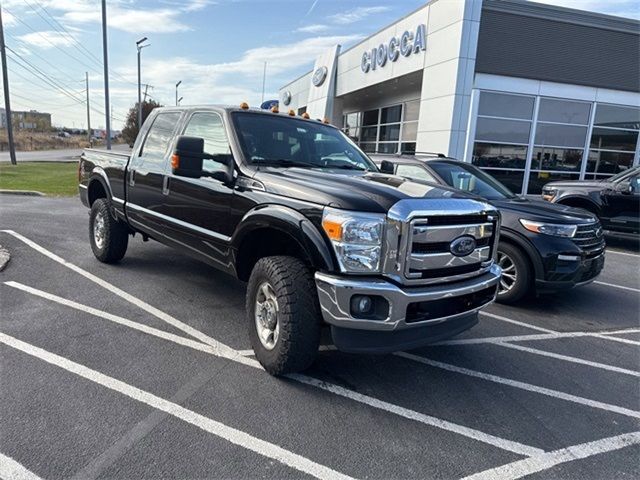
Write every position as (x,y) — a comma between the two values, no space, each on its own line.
(108,236)
(283,314)
(516,277)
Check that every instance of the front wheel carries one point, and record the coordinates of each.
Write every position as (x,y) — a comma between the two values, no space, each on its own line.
(283,314)
(516,277)
(109,237)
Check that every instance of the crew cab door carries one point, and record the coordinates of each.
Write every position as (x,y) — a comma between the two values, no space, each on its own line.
(622,205)
(201,207)
(146,175)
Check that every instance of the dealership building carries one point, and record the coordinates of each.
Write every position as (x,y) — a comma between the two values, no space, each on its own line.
(529,92)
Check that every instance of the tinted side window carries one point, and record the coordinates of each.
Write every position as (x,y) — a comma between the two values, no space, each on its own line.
(209,127)
(414,171)
(155,146)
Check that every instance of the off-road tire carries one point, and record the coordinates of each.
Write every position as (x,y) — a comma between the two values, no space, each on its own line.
(298,314)
(115,238)
(523,272)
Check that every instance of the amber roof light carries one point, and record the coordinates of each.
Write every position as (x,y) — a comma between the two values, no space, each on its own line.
(275,109)
(305,115)
(244,106)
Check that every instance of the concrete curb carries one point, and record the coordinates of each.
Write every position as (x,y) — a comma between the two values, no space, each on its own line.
(5,256)
(28,193)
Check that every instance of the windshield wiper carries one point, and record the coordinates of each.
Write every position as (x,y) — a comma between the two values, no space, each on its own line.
(348,167)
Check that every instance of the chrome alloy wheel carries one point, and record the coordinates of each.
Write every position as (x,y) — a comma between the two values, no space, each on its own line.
(266,316)
(99,230)
(509,274)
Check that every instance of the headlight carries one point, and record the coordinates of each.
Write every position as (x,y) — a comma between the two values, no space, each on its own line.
(549,194)
(556,230)
(356,239)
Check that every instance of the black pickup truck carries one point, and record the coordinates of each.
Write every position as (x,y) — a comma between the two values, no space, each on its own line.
(293,207)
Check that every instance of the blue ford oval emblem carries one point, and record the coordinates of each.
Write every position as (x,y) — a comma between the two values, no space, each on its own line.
(463,246)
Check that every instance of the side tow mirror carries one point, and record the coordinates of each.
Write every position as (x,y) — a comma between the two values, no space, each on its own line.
(387,167)
(187,158)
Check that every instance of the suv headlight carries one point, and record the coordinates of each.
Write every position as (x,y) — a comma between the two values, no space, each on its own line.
(356,238)
(556,230)
(549,193)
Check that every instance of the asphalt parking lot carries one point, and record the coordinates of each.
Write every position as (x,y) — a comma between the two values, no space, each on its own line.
(141,370)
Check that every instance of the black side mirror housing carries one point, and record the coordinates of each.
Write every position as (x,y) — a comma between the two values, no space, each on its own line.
(387,167)
(188,157)
(634,184)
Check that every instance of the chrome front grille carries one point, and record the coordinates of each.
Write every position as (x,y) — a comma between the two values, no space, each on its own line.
(430,256)
(419,235)
(590,238)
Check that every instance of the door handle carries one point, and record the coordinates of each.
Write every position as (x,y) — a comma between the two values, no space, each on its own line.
(132,178)
(165,185)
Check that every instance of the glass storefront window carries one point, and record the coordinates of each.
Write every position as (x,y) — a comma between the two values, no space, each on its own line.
(411,110)
(615,116)
(613,139)
(368,147)
(537,180)
(408,147)
(563,111)
(512,179)
(499,130)
(369,134)
(389,132)
(559,159)
(391,114)
(608,163)
(370,117)
(560,135)
(409,131)
(388,147)
(506,105)
(499,156)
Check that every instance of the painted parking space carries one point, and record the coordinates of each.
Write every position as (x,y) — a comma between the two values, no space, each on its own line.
(157,380)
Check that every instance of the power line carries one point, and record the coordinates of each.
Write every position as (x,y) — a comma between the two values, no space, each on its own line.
(79,46)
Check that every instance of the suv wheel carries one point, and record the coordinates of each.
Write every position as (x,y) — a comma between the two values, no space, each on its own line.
(516,274)
(109,237)
(283,315)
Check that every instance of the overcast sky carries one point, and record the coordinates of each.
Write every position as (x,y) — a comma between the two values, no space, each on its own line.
(216,47)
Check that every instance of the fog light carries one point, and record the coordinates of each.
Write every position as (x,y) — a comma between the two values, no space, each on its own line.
(361,304)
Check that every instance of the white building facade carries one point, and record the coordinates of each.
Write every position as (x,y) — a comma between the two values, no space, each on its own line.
(529,92)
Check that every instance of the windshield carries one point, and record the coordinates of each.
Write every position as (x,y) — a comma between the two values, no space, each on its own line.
(471,179)
(622,175)
(291,142)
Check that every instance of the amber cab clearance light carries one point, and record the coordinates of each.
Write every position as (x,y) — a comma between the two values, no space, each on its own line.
(305,115)
(275,109)
(326,120)
(175,161)
(244,106)
(292,113)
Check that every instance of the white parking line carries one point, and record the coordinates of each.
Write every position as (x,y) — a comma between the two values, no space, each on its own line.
(239,356)
(544,336)
(237,437)
(516,322)
(12,470)
(621,287)
(521,385)
(189,330)
(544,353)
(618,252)
(539,463)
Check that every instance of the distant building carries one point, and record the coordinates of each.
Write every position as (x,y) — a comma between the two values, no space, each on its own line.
(31,120)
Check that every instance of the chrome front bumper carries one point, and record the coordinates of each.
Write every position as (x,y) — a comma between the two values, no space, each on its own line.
(335,292)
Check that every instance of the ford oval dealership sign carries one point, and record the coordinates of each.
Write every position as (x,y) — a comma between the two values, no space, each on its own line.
(407,44)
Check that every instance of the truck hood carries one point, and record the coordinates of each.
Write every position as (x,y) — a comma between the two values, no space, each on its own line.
(579,184)
(537,210)
(348,189)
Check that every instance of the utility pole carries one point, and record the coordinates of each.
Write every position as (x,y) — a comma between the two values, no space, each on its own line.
(7,102)
(179,100)
(146,87)
(139,48)
(264,78)
(86,78)
(177,85)
(106,73)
